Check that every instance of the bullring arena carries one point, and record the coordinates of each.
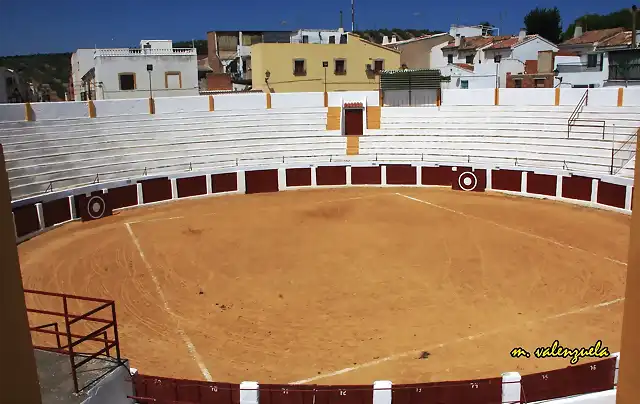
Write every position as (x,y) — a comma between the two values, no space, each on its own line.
(267,244)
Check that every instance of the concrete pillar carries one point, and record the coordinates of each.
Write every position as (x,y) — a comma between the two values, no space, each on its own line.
(242,185)
(511,387)
(174,188)
(627,200)
(249,393)
(382,392)
(140,193)
(282,179)
(559,186)
(314,176)
(383,175)
(348,174)
(629,373)
(72,207)
(40,212)
(19,385)
(523,182)
(209,184)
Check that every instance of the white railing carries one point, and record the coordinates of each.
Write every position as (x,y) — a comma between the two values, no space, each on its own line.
(147,51)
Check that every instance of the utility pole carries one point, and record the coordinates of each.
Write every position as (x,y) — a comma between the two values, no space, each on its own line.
(353,16)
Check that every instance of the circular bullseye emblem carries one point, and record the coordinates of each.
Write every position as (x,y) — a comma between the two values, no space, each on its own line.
(96,207)
(467,181)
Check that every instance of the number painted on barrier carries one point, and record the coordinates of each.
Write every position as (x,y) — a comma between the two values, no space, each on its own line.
(343,392)
(474,386)
(593,367)
(214,389)
(545,377)
(418,390)
(285,391)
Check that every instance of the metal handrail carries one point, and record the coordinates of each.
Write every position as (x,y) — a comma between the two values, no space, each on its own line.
(584,100)
(615,152)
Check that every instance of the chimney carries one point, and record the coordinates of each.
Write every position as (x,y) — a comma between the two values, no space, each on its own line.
(385,40)
(457,40)
(522,35)
(394,39)
(633,26)
(578,31)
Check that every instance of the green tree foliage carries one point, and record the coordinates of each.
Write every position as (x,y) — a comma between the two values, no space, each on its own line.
(545,22)
(620,18)
(199,44)
(46,68)
(376,35)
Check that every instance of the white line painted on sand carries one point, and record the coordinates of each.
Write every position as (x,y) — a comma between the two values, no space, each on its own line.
(467,338)
(190,347)
(156,219)
(548,240)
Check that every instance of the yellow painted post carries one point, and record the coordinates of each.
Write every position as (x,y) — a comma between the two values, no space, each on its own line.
(557,96)
(152,106)
(92,109)
(211,107)
(28,112)
(496,97)
(620,96)
(268,100)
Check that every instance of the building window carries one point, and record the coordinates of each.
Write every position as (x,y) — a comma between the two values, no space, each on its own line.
(305,38)
(464,84)
(539,83)
(343,38)
(378,65)
(299,68)
(450,58)
(517,83)
(592,60)
(127,81)
(172,80)
(469,59)
(332,39)
(340,66)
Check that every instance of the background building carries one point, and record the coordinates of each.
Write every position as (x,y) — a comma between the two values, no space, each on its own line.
(352,64)
(123,73)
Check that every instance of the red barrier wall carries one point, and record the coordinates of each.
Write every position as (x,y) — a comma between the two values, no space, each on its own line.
(56,211)
(479,391)
(576,187)
(506,180)
(155,190)
(26,220)
(478,179)
(298,177)
(344,394)
(331,175)
(541,184)
(122,197)
(168,390)
(226,182)
(402,174)
(191,186)
(261,181)
(366,175)
(611,194)
(286,394)
(437,176)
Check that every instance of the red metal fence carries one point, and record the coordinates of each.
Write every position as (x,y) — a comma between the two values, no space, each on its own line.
(92,336)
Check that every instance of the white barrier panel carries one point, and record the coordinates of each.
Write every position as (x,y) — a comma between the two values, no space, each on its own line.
(372,97)
(571,96)
(240,101)
(122,107)
(603,97)
(12,112)
(297,100)
(631,97)
(176,105)
(59,110)
(479,96)
(527,96)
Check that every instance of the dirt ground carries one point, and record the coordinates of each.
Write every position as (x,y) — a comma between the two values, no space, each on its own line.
(296,286)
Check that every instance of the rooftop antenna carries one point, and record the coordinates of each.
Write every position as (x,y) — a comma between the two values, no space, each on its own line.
(353,16)
(341,26)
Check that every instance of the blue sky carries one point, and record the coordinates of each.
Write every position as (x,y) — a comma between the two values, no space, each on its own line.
(64,25)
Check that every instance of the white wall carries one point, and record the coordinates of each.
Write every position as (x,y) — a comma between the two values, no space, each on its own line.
(527,96)
(571,96)
(12,112)
(476,80)
(108,68)
(530,49)
(436,57)
(240,101)
(468,97)
(170,105)
(603,97)
(631,97)
(81,63)
(583,78)
(336,98)
(121,107)
(417,98)
(59,110)
(297,100)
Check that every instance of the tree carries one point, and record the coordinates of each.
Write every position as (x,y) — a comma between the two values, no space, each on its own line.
(545,22)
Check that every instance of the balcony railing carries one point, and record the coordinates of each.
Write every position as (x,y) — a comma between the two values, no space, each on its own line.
(145,52)
(624,72)
(578,68)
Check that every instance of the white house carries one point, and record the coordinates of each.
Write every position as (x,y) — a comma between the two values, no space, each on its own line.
(325,36)
(598,58)
(483,61)
(13,88)
(155,69)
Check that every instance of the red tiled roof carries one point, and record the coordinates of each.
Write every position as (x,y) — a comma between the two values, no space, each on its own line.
(470,43)
(566,53)
(353,105)
(619,39)
(465,66)
(590,37)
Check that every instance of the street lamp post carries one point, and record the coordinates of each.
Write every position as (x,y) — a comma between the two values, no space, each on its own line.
(149,70)
(325,64)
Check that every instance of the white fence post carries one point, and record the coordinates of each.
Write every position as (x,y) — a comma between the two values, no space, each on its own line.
(511,388)
(382,392)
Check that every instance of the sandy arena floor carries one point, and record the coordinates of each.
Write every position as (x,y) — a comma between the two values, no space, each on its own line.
(297,286)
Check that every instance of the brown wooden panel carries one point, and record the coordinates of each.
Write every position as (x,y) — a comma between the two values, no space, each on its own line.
(298,177)
(169,390)
(353,122)
(344,394)
(466,179)
(506,180)
(56,211)
(121,197)
(226,182)
(573,380)
(612,194)
(437,176)
(95,206)
(481,391)
(541,184)
(576,187)
(286,394)
(161,388)
(261,181)
(402,174)
(366,175)
(155,190)
(191,186)
(331,175)
(26,219)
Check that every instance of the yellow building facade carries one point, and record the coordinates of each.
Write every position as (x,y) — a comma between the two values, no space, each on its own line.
(298,67)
